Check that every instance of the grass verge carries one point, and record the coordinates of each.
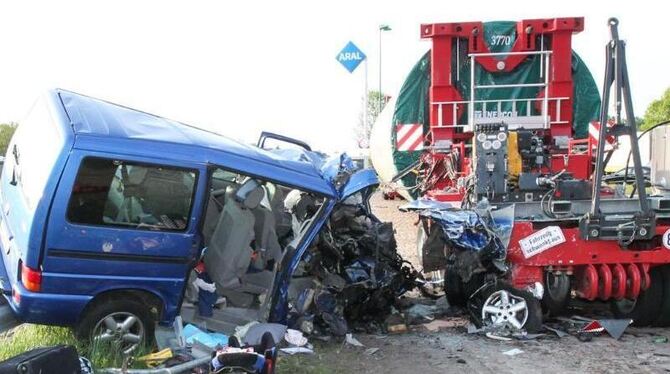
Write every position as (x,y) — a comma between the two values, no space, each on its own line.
(27,337)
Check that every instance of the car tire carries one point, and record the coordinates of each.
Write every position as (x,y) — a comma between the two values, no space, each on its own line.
(533,309)
(646,308)
(556,293)
(127,324)
(663,319)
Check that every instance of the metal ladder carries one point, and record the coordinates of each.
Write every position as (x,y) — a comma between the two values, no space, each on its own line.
(528,120)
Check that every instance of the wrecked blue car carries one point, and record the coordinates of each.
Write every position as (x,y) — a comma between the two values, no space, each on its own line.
(111,218)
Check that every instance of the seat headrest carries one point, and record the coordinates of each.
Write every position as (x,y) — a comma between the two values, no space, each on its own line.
(136,175)
(250,194)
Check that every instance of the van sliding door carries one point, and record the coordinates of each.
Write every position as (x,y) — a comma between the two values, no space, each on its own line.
(123,223)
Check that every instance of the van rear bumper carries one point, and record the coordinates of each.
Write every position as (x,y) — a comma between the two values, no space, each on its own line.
(41,308)
(48,309)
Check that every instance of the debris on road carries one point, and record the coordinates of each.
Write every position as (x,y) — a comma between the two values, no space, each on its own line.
(210,339)
(558,332)
(614,327)
(420,313)
(660,339)
(443,324)
(371,351)
(295,338)
(156,358)
(349,339)
(493,336)
(395,324)
(513,352)
(296,350)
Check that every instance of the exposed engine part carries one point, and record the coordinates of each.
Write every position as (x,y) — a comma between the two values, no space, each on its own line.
(358,274)
(491,156)
(573,189)
(529,182)
(533,150)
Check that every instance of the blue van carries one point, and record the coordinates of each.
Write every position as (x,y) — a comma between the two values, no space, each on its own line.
(106,210)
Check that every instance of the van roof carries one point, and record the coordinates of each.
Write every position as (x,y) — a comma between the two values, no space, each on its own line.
(139,133)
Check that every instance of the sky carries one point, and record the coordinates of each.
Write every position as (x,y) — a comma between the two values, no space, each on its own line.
(241,67)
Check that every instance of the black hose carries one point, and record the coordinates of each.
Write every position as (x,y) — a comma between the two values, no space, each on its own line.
(625,175)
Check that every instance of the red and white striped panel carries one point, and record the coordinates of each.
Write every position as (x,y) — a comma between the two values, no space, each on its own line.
(594,135)
(409,137)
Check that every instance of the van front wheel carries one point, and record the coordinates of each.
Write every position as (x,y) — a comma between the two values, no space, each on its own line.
(121,325)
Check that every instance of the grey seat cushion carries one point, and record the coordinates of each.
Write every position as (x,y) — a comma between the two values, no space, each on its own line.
(229,253)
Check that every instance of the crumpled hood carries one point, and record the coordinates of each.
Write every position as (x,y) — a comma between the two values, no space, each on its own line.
(339,170)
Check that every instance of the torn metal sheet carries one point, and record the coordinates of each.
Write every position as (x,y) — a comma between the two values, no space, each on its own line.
(357,271)
(559,333)
(614,327)
(336,169)
(466,229)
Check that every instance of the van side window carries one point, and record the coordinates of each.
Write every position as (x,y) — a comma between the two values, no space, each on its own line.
(128,194)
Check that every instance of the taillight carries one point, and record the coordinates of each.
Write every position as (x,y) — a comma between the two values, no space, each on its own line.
(31,279)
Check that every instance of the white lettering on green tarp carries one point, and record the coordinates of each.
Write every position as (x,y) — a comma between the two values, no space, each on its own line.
(494,114)
(501,40)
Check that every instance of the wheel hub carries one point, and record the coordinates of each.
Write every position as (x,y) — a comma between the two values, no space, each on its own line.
(123,330)
(504,310)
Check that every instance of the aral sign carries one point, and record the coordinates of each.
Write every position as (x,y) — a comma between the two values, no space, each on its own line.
(350,57)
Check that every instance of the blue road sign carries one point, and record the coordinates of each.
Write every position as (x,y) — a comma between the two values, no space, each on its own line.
(350,57)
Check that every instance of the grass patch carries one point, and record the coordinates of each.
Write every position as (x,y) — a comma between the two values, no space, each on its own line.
(27,337)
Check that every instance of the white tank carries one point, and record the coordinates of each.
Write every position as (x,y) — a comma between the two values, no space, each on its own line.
(381,149)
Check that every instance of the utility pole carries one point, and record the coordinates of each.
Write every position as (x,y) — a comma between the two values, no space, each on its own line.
(382,28)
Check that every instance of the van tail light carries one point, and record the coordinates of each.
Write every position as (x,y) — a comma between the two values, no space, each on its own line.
(31,279)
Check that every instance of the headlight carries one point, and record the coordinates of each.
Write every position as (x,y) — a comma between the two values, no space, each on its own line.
(502,136)
(487,145)
(496,144)
(481,137)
